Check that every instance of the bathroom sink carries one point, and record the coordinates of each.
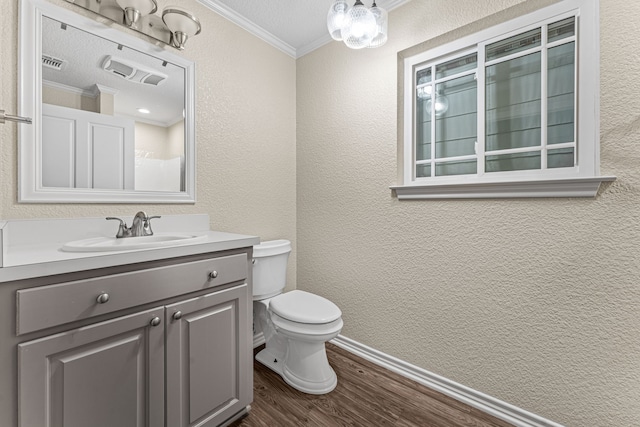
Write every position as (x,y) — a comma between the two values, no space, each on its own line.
(159,240)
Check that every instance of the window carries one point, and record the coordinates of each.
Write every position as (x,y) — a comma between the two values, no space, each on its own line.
(508,112)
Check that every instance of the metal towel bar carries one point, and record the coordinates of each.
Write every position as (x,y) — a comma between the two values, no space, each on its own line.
(17,119)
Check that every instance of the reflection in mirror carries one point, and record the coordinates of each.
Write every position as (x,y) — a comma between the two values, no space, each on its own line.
(123,103)
(116,115)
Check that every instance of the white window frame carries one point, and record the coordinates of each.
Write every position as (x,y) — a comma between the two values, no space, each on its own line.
(581,180)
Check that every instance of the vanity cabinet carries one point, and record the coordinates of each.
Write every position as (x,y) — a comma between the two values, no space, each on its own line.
(175,349)
(104,375)
(199,330)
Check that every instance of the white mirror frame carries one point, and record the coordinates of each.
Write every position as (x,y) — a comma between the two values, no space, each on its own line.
(30,189)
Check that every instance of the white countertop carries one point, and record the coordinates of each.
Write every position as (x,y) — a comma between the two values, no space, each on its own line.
(32,248)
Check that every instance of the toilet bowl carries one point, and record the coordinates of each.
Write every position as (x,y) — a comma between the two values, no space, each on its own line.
(295,324)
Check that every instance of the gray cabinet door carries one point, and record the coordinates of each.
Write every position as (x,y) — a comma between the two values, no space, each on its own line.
(209,358)
(103,375)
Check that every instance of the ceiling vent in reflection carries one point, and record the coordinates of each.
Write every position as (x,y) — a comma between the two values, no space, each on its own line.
(53,62)
(131,71)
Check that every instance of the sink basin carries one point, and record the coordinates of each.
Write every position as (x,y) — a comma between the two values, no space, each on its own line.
(159,240)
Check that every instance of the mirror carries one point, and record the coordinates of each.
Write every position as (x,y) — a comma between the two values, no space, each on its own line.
(113,115)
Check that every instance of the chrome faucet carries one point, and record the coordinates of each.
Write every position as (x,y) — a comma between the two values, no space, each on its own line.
(141,226)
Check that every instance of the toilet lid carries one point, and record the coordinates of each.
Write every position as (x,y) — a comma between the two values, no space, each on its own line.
(304,307)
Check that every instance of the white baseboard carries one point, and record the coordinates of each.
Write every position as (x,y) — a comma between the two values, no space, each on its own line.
(499,409)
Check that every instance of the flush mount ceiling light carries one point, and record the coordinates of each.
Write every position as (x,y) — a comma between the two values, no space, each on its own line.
(174,27)
(358,26)
(182,25)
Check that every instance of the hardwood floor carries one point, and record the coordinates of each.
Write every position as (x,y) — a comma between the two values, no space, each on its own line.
(366,395)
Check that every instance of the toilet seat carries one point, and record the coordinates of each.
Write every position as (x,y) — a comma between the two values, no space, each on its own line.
(306,330)
(304,307)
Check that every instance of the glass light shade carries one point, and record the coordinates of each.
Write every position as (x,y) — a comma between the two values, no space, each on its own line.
(336,18)
(382,20)
(181,23)
(441,104)
(144,7)
(180,20)
(360,27)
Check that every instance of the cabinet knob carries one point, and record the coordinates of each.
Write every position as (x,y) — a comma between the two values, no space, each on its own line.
(155,321)
(102,298)
(213,274)
(177,315)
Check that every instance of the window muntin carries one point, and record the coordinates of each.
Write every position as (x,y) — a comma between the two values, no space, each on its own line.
(450,102)
(526,111)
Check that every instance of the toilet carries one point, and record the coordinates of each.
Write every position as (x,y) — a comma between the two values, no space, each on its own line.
(295,324)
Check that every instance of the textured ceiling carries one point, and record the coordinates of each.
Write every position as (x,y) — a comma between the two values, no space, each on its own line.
(295,26)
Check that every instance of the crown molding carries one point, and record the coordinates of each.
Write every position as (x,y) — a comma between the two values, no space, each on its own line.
(310,47)
(249,26)
(91,93)
(268,37)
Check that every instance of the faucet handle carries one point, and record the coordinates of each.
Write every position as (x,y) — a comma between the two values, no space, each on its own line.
(147,225)
(123,231)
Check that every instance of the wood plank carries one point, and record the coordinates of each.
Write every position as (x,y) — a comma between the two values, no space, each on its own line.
(366,395)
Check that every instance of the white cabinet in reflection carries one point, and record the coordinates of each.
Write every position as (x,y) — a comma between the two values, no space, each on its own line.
(82,149)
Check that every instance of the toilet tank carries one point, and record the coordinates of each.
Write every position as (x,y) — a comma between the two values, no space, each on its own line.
(270,268)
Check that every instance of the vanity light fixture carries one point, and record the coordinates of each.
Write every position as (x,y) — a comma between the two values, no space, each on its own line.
(174,27)
(358,26)
(133,9)
(182,25)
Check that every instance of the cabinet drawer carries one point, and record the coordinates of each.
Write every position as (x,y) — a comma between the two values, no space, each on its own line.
(52,305)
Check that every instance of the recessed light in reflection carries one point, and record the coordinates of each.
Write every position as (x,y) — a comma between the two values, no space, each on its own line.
(144,111)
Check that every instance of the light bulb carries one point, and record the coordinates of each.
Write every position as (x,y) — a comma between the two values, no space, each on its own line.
(441,105)
(360,27)
(336,18)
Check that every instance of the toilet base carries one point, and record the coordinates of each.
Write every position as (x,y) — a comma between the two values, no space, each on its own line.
(310,387)
(307,368)
(269,360)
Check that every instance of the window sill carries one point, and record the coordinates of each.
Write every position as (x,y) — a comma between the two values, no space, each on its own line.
(573,187)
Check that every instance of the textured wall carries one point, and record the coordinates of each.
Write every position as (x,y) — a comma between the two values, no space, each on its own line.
(245,131)
(535,302)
